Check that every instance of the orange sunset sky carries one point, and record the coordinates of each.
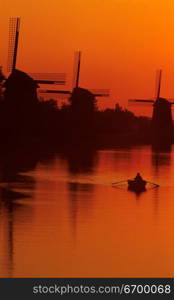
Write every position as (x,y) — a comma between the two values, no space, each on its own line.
(123,42)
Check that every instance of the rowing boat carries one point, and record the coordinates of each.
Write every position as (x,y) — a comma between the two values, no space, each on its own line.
(136,185)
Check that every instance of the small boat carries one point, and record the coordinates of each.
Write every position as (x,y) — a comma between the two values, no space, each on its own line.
(136,185)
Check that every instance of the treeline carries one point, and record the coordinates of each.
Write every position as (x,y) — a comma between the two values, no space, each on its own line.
(44,118)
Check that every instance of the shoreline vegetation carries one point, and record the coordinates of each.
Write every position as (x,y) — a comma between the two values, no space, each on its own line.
(62,126)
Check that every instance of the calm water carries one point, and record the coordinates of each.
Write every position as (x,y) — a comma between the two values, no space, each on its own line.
(71,222)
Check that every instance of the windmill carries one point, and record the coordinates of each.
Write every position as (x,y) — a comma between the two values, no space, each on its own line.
(19,77)
(162,124)
(76,90)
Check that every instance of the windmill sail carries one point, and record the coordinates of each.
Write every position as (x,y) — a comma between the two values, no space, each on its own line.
(49,78)
(54,92)
(157,91)
(39,78)
(159,77)
(13,43)
(100,92)
(76,80)
(141,100)
(76,69)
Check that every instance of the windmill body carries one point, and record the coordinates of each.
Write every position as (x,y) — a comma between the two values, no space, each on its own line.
(82,100)
(162,123)
(20,88)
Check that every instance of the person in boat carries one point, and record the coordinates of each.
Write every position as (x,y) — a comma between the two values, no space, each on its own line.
(137,184)
(138,177)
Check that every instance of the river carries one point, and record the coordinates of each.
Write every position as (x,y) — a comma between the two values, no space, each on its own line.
(70,221)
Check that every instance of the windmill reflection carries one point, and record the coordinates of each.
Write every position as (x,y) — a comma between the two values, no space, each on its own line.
(12,213)
(81,160)
(161,155)
(81,163)
(16,190)
(160,158)
(80,201)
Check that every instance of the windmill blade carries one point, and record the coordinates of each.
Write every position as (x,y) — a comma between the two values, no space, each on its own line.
(14,25)
(57,82)
(100,92)
(158,84)
(50,82)
(76,69)
(54,92)
(141,100)
(49,78)
(101,95)
(170,100)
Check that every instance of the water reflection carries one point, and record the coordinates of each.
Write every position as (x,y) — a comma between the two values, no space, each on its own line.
(69,221)
(16,192)
(80,201)
(13,214)
(161,156)
(156,201)
(137,193)
(81,159)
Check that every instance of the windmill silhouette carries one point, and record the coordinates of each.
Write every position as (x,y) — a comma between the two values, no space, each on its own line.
(19,76)
(162,124)
(76,89)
